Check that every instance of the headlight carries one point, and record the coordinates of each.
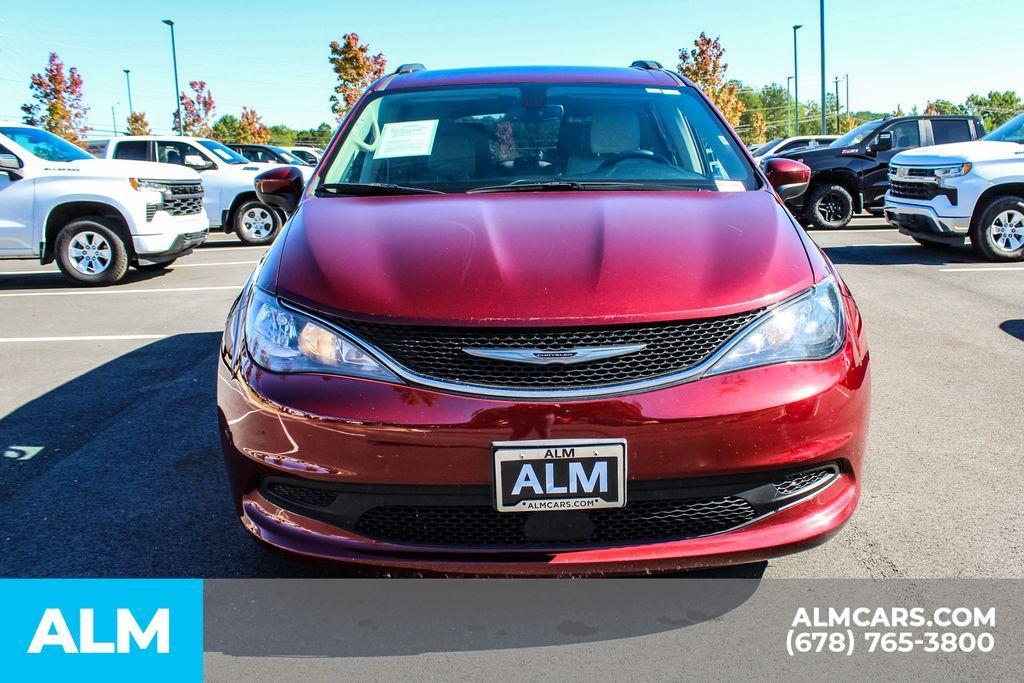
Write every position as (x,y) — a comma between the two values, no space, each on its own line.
(808,328)
(953,171)
(141,184)
(281,340)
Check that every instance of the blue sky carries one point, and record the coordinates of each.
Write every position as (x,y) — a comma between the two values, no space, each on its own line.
(254,53)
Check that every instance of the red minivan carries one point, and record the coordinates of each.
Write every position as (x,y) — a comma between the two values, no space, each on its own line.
(542,321)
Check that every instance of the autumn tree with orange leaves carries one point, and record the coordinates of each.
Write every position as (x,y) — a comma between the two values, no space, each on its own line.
(355,69)
(704,66)
(137,124)
(58,105)
(197,111)
(252,129)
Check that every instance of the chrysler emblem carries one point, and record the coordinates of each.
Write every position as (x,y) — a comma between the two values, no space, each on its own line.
(577,354)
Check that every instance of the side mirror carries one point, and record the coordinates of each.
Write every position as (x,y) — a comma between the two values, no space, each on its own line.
(789,177)
(196,161)
(281,188)
(883,142)
(9,162)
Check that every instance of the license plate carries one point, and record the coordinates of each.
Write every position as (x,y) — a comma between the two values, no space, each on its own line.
(533,476)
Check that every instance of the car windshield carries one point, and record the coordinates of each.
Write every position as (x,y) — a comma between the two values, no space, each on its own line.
(855,136)
(764,149)
(45,145)
(287,156)
(1011,131)
(539,136)
(225,154)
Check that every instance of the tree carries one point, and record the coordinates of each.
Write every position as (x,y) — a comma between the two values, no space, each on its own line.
(58,105)
(704,66)
(936,107)
(197,111)
(252,126)
(282,135)
(137,124)
(227,129)
(759,128)
(355,69)
(996,108)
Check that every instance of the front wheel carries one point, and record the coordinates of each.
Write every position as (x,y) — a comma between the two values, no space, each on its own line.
(828,207)
(998,235)
(91,252)
(256,223)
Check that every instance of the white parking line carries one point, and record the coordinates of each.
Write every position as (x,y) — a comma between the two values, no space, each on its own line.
(174,267)
(98,292)
(210,250)
(980,269)
(105,337)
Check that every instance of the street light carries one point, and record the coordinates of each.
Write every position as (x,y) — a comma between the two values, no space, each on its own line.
(796,86)
(128,78)
(789,112)
(177,90)
(824,84)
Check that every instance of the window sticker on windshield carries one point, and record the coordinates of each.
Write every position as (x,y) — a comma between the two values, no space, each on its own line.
(406,139)
(729,186)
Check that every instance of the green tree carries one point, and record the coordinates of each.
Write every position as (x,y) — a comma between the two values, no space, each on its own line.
(282,135)
(227,129)
(58,105)
(996,108)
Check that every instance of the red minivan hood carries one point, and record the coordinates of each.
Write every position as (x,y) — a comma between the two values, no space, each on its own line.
(551,258)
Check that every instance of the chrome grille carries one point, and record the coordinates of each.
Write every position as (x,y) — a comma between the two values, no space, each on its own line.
(436,353)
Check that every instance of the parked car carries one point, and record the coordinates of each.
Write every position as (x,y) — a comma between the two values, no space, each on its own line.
(268,154)
(852,174)
(944,195)
(311,155)
(94,217)
(781,145)
(230,200)
(542,320)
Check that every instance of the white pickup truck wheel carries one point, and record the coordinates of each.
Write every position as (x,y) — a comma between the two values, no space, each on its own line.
(998,234)
(256,223)
(90,251)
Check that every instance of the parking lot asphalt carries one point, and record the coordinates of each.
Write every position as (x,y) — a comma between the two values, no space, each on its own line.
(111,465)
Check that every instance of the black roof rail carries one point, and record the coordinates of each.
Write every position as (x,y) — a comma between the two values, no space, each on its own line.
(410,68)
(647,64)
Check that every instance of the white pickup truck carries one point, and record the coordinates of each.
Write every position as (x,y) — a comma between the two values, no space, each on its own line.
(228,179)
(94,217)
(945,194)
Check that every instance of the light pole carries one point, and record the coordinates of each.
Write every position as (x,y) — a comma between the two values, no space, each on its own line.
(837,105)
(177,90)
(789,112)
(128,78)
(824,84)
(847,79)
(796,86)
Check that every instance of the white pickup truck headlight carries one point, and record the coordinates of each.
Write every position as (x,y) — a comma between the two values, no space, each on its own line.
(953,171)
(282,340)
(809,327)
(143,184)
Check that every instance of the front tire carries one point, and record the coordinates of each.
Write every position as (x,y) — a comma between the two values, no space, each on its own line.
(998,235)
(828,207)
(256,223)
(89,251)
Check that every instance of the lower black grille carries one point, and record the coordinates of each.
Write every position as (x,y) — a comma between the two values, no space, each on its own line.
(802,480)
(437,352)
(303,494)
(925,191)
(483,526)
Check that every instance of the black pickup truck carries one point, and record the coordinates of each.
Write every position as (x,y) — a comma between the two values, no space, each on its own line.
(851,174)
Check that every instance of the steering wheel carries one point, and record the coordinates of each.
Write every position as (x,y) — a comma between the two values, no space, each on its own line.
(645,154)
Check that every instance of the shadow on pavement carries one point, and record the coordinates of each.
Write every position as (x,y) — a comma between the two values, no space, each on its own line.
(129,481)
(901,254)
(55,280)
(368,618)
(1014,328)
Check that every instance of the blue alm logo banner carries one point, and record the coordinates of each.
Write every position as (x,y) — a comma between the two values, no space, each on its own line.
(101,629)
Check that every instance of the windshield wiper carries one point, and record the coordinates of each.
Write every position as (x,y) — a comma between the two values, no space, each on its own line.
(550,185)
(374,189)
(582,185)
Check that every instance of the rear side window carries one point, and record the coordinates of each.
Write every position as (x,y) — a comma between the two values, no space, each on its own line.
(134,150)
(954,130)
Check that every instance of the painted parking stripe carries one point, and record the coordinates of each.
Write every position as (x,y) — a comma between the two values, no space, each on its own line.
(210,250)
(174,267)
(980,269)
(102,337)
(100,292)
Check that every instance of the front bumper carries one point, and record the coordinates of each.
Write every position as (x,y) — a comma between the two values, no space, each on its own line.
(922,220)
(169,236)
(393,441)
